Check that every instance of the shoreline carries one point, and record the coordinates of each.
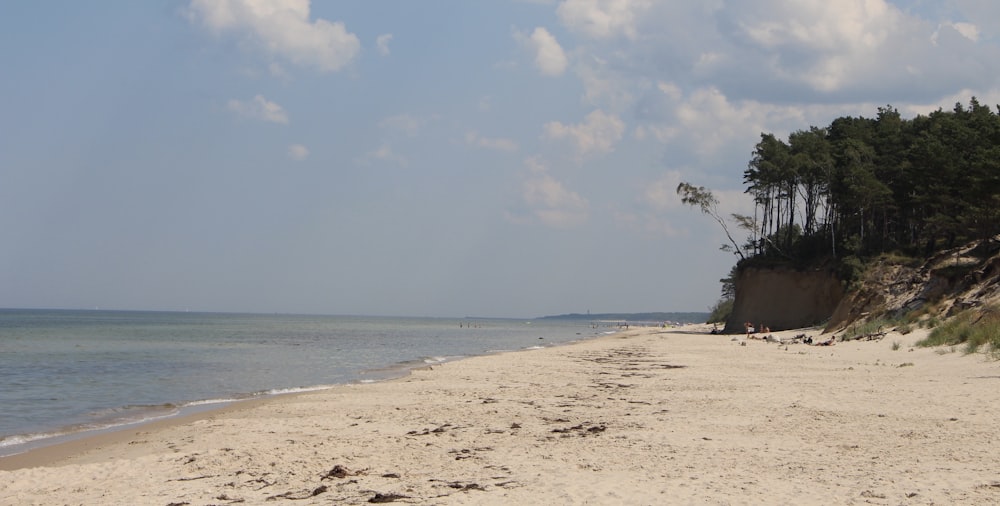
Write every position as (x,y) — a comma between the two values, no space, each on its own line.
(69,435)
(640,417)
(66,436)
(50,449)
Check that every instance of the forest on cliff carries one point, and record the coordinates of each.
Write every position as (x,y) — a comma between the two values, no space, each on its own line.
(860,187)
(871,185)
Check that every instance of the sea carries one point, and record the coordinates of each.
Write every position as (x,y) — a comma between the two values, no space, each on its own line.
(70,373)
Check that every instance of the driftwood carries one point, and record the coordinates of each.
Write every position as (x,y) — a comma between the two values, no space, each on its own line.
(871,336)
(800,338)
(874,336)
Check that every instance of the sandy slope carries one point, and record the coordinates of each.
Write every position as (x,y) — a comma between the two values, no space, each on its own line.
(651,416)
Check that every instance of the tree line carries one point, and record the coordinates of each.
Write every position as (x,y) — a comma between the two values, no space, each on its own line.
(862,186)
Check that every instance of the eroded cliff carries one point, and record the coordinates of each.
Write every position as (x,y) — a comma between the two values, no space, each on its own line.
(784,298)
(942,286)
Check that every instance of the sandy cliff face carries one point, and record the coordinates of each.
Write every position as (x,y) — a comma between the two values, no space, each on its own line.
(784,298)
(944,285)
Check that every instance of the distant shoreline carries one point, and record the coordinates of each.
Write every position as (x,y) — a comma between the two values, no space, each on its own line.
(678,317)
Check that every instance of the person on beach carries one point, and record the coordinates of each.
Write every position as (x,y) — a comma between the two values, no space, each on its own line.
(828,342)
(750,329)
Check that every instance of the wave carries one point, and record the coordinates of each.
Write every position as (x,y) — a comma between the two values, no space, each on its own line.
(296,390)
(111,419)
(104,421)
(21,439)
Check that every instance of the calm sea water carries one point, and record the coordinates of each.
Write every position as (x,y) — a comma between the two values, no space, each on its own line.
(67,372)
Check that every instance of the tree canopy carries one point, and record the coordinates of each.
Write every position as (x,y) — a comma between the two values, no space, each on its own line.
(862,186)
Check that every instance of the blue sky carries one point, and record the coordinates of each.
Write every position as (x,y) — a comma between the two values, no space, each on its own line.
(446,158)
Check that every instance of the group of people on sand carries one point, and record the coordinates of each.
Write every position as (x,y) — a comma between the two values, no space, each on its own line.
(828,342)
(752,331)
(763,332)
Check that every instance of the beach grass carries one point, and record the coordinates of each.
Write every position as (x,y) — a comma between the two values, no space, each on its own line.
(867,328)
(974,328)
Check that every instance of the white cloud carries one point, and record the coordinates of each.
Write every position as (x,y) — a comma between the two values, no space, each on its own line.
(706,127)
(823,44)
(846,25)
(498,144)
(710,120)
(986,13)
(259,108)
(549,202)
(660,212)
(781,51)
(384,153)
(598,133)
(655,200)
(848,49)
(646,224)
(277,70)
(671,90)
(603,19)
(661,133)
(550,59)
(962,96)
(298,152)
(661,195)
(282,28)
(967,30)
(382,43)
(605,85)
(699,81)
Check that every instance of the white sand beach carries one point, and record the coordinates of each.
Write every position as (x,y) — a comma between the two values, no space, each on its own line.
(647,416)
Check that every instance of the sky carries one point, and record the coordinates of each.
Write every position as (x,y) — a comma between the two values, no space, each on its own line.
(441,158)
